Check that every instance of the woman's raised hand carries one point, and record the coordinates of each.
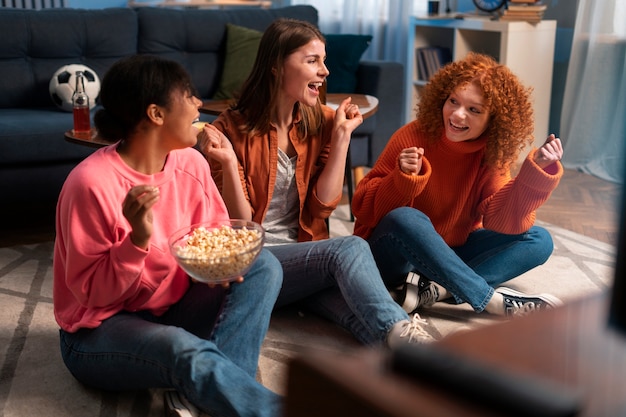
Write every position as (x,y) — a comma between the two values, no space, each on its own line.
(410,160)
(550,152)
(215,145)
(137,209)
(347,117)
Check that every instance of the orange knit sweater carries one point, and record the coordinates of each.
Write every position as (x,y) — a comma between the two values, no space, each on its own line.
(456,191)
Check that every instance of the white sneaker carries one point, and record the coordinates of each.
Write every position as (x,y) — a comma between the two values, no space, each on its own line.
(407,331)
(176,405)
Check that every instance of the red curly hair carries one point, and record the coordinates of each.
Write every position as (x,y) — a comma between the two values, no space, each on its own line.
(511,120)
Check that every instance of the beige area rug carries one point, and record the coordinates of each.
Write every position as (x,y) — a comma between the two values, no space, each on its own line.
(34,381)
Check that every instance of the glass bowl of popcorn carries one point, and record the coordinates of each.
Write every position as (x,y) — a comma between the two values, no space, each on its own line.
(217,252)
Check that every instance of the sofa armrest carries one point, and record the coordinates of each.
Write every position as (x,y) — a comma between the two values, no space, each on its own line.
(385,81)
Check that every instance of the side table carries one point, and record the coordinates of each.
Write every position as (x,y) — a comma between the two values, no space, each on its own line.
(93,140)
(368,105)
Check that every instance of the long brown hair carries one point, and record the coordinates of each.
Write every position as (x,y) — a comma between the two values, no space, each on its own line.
(511,120)
(258,97)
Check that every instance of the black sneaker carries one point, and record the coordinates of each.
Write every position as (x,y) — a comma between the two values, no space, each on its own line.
(520,304)
(176,405)
(416,292)
(399,293)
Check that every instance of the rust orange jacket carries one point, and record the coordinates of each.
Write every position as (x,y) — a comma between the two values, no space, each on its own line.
(258,161)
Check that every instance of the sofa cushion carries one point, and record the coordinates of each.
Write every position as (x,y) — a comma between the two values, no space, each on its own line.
(242,45)
(343,54)
(34,45)
(26,137)
(196,38)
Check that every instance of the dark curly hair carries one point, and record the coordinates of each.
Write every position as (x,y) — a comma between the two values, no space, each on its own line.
(130,86)
(511,120)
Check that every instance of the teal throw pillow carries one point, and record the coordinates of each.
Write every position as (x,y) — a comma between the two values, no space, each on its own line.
(343,54)
(242,45)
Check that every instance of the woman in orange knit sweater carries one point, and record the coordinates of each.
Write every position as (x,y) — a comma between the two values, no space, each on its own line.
(440,210)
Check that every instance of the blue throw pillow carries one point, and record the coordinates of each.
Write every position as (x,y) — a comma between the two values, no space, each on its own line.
(343,53)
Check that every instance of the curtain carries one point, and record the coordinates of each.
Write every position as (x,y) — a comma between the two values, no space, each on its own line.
(593,118)
(386,20)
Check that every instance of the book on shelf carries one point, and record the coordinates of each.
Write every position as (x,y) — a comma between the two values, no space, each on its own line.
(531,8)
(531,19)
(429,59)
(422,73)
(532,13)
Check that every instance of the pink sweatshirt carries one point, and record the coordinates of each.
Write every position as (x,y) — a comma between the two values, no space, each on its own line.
(98,271)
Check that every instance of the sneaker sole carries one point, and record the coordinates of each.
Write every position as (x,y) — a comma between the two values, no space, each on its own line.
(174,406)
(411,299)
(549,299)
(406,295)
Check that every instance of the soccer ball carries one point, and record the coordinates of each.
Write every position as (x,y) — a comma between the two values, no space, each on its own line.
(63,82)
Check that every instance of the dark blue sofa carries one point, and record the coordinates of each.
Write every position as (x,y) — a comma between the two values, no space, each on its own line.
(35,158)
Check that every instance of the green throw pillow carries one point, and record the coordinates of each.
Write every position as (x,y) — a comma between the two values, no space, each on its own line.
(241,49)
(343,53)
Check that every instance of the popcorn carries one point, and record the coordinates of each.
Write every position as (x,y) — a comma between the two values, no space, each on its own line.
(199,125)
(218,254)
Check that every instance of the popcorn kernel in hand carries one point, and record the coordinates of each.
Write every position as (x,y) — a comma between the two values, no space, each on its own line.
(199,125)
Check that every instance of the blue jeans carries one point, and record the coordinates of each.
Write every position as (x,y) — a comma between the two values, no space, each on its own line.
(405,240)
(206,346)
(337,278)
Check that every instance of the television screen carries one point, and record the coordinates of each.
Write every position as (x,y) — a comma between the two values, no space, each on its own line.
(617,310)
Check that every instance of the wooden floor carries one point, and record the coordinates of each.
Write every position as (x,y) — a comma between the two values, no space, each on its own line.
(581,203)
(586,205)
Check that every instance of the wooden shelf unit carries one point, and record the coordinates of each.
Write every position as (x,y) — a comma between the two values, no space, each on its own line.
(527,49)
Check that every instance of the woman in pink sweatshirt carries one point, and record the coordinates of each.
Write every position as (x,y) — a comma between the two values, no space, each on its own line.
(130,318)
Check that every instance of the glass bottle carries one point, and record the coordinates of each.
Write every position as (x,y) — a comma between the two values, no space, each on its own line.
(80,102)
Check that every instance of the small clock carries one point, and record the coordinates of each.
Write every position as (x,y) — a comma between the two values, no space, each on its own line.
(489,5)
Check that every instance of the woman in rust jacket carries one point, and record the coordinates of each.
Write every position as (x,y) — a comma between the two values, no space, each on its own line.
(290,152)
